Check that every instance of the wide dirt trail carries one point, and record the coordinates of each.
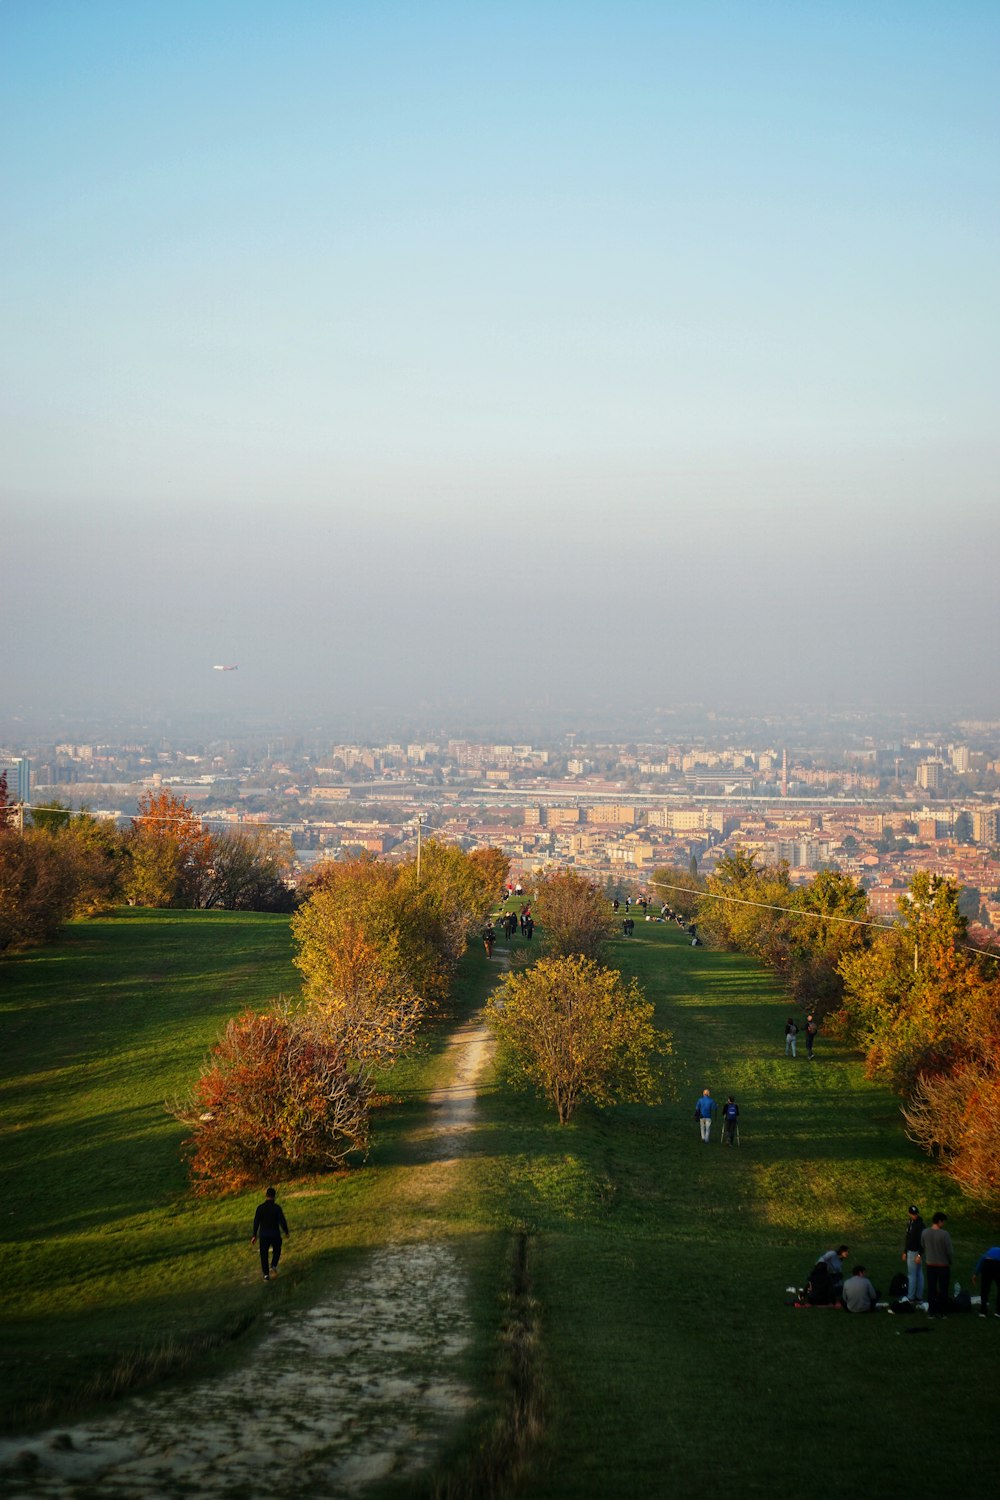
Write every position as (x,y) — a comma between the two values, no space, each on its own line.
(361,1387)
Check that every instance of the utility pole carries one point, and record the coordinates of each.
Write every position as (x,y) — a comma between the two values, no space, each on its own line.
(420,822)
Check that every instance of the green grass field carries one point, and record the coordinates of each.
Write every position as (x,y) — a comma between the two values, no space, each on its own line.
(667,1360)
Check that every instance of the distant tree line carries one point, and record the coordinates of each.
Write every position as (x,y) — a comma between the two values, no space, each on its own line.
(67,864)
(917,998)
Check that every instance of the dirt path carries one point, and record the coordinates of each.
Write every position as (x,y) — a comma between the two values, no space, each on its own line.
(360,1387)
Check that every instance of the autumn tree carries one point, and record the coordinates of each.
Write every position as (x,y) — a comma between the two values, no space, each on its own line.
(397,921)
(680,888)
(956,1117)
(916,1001)
(96,849)
(833,926)
(745,907)
(573,914)
(169,853)
(572,1030)
(456,892)
(275,1099)
(6,805)
(37,888)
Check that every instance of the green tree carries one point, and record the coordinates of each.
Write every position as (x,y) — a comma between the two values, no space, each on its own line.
(679,888)
(572,1030)
(746,906)
(51,817)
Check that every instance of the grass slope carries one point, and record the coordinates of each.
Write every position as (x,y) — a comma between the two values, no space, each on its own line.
(114,1274)
(657,1266)
(670,1363)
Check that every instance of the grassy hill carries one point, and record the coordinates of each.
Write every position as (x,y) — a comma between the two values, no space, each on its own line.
(666,1360)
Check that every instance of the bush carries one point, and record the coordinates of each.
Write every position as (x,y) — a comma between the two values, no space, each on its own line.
(38,886)
(574,1030)
(957,1117)
(275,1099)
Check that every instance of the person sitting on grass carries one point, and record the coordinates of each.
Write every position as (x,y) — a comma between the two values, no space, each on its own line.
(859,1295)
(826,1279)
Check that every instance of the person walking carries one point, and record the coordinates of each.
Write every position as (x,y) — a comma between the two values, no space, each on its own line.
(704,1110)
(730,1121)
(811,1030)
(988,1267)
(912,1255)
(791,1032)
(269,1224)
(937,1252)
(489,937)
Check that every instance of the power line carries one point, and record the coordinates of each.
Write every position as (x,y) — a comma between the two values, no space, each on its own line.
(805,911)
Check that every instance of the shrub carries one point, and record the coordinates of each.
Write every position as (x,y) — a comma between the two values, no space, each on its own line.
(275,1099)
(574,1030)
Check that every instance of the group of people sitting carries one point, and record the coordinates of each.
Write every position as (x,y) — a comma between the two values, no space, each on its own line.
(826,1285)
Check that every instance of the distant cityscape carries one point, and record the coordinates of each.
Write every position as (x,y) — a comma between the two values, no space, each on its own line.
(879,809)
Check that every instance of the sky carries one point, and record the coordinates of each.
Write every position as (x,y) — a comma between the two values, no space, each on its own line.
(464,354)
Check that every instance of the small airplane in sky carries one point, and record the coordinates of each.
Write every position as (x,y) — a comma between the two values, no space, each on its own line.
(225,669)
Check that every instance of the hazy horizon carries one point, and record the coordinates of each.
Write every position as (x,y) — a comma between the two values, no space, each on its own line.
(448,359)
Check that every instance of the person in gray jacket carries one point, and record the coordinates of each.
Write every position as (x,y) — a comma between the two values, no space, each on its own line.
(859,1295)
(938,1255)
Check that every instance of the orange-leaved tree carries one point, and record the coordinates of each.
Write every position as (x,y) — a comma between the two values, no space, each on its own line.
(275,1099)
(169,853)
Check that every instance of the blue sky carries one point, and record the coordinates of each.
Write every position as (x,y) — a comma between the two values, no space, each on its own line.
(587,319)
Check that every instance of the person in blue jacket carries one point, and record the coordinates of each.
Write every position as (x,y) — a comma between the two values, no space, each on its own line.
(988,1267)
(704,1110)
(730,1121)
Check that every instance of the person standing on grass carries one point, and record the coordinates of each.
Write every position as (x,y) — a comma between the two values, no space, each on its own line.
(811,1030)
(269,1224)
(730,1121)
(911,1254)
(704,1110)
(988,1267)
(791,1032)
(937,1252)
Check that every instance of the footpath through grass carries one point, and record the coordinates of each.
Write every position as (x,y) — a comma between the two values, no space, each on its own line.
(114,1274)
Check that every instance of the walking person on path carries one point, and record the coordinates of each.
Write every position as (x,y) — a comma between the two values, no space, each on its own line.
(704,1110)
(912,1255)
(730,1121)
(988,1267)
(269,1224)
(811,1030)
(937,1252)
(791,1032)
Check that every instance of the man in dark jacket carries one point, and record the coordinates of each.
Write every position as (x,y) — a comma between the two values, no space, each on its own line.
(268,1225)
(913,1256)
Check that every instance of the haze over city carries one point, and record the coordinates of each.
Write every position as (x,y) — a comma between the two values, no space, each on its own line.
(468,358)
